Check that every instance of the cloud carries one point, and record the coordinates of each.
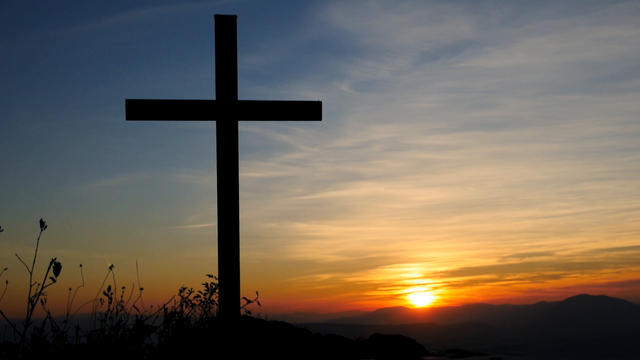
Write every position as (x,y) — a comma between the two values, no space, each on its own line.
(192,226)
(463,146)
(192,177)
(617,249)
(138,15)
(528,255)
(449,150)
(121,180)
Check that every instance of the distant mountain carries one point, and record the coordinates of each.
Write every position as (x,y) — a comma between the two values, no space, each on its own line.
(384,316)
(310,317)
(588,315)
(582,325)
(498,315)
(594,306)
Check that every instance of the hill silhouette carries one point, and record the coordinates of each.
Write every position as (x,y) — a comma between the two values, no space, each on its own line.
(499,315)
(579,326)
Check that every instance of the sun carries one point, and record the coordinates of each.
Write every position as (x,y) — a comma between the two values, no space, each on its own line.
(421,299)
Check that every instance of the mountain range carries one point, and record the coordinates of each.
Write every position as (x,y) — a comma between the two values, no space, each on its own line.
(582,326)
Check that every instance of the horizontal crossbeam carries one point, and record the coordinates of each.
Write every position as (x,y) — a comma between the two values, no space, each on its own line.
(207,110)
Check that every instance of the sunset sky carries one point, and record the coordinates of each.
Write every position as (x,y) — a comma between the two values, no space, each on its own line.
(479,151)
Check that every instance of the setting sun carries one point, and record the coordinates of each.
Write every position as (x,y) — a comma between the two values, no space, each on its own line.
(421,299)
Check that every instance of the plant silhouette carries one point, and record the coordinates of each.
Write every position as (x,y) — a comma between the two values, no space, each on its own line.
(36,294)
(118,323)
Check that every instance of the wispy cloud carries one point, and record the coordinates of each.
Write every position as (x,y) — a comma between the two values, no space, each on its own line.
(192,226)
(502,141)
(465,147)
(121,180)
(140,14)
(191,177)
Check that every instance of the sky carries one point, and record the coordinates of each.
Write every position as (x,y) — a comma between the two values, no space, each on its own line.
(476,151)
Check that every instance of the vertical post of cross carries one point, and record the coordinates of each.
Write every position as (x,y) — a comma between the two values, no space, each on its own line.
(226,110)
(228,222)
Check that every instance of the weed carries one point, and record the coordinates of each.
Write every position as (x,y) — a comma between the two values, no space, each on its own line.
(36,294)
(6,283)
(119,323)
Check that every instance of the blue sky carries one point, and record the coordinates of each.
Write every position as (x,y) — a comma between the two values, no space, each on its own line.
(480,150)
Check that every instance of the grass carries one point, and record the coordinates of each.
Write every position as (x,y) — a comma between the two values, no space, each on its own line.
(120,327)
(119,323)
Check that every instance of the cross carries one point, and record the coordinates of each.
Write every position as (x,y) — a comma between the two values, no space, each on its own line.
(226,110)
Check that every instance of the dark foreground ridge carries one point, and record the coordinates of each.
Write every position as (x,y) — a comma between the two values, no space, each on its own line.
(580,327)
(260,339)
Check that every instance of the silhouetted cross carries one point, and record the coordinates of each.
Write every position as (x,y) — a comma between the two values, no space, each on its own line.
(227,110)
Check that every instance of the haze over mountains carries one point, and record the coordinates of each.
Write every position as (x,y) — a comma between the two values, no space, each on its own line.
(579,326)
